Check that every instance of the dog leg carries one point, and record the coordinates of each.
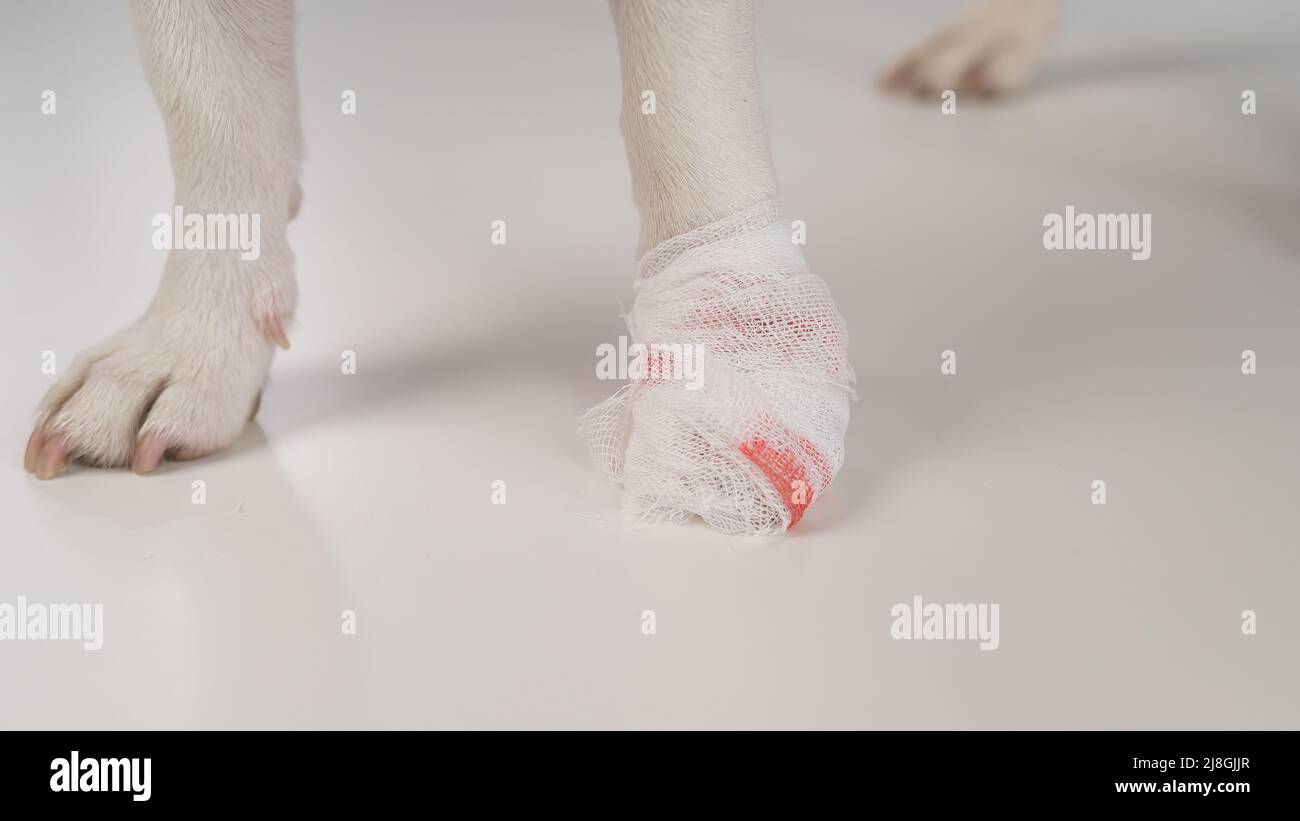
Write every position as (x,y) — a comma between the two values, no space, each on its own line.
(754,431)
(185,378)
(703,153)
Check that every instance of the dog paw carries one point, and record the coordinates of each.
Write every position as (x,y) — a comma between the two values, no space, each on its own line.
(181,382)
(993,50)
(738,409)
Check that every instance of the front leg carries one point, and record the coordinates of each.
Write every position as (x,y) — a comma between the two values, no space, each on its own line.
(750,441)
(185,378)
(703,153)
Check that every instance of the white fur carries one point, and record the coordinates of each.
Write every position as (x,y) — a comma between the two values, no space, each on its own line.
(703,155)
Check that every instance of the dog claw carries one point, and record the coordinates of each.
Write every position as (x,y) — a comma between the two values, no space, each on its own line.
(275,330)
(51,459)
(148,453)
(34,445)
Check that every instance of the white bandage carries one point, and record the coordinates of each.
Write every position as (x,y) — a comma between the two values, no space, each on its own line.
(754,437)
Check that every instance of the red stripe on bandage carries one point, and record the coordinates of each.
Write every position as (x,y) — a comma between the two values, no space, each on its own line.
(786,473)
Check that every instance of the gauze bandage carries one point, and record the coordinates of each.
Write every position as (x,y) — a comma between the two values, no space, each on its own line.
(751,434)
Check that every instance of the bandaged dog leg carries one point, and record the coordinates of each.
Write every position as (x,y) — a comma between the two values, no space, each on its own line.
(757,436)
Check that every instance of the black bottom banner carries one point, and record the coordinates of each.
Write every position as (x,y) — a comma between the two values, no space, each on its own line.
(216,770)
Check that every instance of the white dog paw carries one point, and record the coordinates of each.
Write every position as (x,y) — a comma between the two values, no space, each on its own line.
(993,50)
(181,382)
